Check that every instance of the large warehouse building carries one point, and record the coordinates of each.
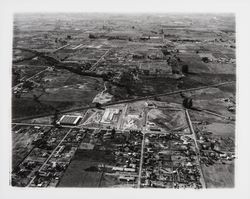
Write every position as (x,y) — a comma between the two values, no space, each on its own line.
(69,120)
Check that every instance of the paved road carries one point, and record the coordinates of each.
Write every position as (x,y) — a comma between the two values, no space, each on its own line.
(197,148)
(46,161)
(124,101)
(37,124)
(142,153)
(141,161)
(144,131)
(82,126)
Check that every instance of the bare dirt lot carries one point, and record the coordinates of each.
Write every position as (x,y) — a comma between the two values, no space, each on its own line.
(167,119)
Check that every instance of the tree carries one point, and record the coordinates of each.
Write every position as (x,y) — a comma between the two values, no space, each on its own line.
(188,103)
(205,59)
(185,69)
(92,36)
(165,51)
(98,105)
(28,84)
(113,133)
(157,98)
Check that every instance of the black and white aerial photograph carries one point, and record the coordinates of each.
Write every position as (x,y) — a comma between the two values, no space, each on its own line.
(124,99)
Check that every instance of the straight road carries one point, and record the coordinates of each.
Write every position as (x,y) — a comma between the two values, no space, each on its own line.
(30,78)
(126,101)
(144,131)
(98,61)
(196,146)
(46,161)
(76,47)
(141,161)
(82,126)
(62,47)
(49,125)
(215,114)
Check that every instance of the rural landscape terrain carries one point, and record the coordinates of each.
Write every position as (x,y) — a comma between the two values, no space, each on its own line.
(123,100)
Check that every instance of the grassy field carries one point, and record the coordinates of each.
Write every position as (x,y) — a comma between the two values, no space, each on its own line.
(77,176)
(221,129)
(219,175)
(21,146)
(63,90)
(28,107)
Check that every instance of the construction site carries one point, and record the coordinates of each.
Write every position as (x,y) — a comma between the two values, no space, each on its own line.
(112,100)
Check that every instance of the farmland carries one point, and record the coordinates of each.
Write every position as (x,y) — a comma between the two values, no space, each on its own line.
(123,100)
